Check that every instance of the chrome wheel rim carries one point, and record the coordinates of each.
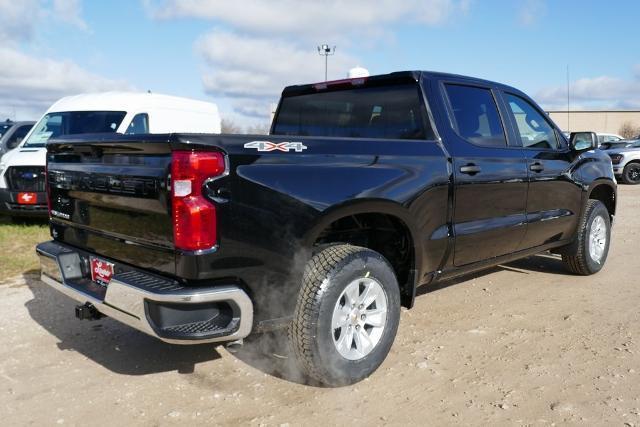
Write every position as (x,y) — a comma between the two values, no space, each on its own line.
(597,239)
(359,318)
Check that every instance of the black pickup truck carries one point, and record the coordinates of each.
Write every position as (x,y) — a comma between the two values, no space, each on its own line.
(365,189)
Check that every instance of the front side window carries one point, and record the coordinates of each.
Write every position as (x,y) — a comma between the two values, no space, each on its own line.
(391,112)
(475,115)
(53,125)
(534,129)
(18,136)
(139,124)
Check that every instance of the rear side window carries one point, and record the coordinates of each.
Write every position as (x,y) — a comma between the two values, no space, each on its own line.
(390,112)
(533,128)
(475,115)
(139,124)
(608,138)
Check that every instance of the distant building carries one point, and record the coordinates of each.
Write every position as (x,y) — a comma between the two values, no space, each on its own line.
(605,121)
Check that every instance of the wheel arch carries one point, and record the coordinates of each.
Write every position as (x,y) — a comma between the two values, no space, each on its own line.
(605,191)
(331,227)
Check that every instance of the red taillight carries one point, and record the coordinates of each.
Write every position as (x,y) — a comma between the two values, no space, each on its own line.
(194,217)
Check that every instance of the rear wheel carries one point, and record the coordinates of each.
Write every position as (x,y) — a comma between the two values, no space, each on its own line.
(347,315)
(593,237)
(631,174)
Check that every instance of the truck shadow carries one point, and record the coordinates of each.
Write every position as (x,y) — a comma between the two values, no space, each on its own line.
(270,352)
(119,348)
(124,350)
(23,220)
(541,263)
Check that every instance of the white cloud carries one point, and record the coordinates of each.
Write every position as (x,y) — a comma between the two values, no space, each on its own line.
(252,67)
(28,85)
(594,92)
(311,18)
(18,20)
(70,11)
(531,11)
(267,45)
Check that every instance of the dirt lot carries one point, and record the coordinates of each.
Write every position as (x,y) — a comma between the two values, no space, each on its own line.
(520,344)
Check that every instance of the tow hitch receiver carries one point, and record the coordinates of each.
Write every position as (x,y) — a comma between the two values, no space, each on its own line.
(87,312)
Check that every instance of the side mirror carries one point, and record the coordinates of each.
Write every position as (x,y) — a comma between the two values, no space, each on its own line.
(583,141)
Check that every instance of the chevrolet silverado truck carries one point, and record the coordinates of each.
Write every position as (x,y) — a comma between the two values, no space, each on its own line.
(364,190)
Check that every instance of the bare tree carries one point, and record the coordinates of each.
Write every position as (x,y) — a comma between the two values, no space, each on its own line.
(229,126)
(628,130)
(258,129)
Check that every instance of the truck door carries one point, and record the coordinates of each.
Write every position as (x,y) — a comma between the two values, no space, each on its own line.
(490,175)
(554,200)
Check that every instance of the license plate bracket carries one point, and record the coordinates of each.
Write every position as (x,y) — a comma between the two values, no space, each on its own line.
(27,198)
(101,271)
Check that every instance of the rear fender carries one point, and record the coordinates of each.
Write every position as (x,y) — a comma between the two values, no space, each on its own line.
(373,207)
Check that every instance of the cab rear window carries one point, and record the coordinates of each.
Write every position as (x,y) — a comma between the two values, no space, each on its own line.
(390,112)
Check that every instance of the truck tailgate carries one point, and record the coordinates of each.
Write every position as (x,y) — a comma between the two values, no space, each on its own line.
(112,198)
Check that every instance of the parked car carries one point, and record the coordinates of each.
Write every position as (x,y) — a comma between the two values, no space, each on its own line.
(12,134)
(608,137)
(626,162)
(22,171)
(326,227)
(625,143)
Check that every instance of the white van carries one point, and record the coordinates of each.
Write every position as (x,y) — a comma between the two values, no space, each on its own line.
(22,180)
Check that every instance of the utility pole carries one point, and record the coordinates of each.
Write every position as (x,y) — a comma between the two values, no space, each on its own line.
(568,102)
(326,50)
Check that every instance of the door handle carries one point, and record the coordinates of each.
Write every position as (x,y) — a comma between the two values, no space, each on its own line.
(470,169)
(536,167)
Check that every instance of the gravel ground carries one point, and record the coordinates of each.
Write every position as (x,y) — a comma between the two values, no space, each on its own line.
(523,343)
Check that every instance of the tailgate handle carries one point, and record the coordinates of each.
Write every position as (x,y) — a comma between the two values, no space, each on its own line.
(470,169)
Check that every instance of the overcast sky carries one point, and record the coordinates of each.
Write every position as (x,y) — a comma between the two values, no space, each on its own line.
(240,54)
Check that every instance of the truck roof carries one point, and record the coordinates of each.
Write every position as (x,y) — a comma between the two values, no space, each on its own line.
(398,77)
(130,101)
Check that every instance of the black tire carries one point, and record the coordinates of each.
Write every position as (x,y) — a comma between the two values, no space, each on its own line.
(583,262)
(631,174)
(311,336)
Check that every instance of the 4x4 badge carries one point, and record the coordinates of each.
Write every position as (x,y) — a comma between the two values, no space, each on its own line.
(298,147)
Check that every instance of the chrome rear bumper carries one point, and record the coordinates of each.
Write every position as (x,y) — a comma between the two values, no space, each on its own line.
(154,305)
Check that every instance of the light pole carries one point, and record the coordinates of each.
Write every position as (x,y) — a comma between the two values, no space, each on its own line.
(326,50)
